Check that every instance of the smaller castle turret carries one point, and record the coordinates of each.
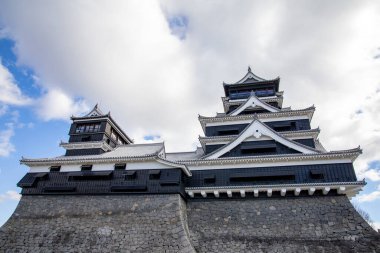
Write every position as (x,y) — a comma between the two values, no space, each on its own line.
(94,134)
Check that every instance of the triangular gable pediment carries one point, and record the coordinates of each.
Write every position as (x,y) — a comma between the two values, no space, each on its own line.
(258,129)
(253,102)
(95,112)
(250,78)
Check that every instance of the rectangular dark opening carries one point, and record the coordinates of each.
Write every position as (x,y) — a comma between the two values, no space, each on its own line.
(27,182)
(256,148)
(154,174)
(169,182)
(90,175)
(284,126)
(316,174)
(86,167)
(253,111)
(228,132)
(40,176)
(120,166)
(257,145)
(86,138)
(209,179)
(130,175)
(261,177)
(55,168)
(128,188)
(258,151)
(237,94)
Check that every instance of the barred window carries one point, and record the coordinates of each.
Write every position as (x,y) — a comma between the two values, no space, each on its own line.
(88,128)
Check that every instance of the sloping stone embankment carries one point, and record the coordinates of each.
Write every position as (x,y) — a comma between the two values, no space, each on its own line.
(304,224)
(117,223)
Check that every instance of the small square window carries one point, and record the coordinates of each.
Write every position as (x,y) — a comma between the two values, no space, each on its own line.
(55,168)
(120,166)
(209,179)
(86,138)
(316,174)
(154,174)
(130,175)
(86,167)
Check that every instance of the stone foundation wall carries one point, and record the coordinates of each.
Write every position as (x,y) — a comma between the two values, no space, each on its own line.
(165,223)
(117,223)
(304,224)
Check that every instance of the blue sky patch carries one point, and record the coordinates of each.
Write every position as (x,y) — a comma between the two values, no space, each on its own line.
(21,132)
(178,25)
(24,76)
(374,165)
(151,137)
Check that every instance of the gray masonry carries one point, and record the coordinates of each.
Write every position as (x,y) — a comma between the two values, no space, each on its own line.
(166,223)
(83,223)
(305,224)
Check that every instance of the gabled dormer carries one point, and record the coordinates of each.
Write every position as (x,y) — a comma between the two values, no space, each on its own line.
(251,83)
(253,105)
(94,133)
(256,145)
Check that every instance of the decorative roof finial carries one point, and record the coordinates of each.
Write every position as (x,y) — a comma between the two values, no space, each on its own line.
(249,69)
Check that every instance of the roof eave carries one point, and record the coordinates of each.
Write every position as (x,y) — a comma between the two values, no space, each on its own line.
(277,79)
(346,154)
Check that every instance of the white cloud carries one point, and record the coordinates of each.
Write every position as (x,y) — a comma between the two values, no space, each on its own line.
(6,147)
(125,56)
(375,195)
(10,195)
(369,197)
(10,93)
(371,174)
(55,104)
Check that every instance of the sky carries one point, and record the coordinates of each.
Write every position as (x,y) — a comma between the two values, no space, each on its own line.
(157,65)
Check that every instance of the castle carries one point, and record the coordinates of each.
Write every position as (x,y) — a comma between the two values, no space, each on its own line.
(260,182)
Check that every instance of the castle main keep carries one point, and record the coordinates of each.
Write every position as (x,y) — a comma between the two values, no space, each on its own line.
(260,182)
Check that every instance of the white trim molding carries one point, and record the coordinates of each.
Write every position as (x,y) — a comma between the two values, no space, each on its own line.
(350,189)
(86,145)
